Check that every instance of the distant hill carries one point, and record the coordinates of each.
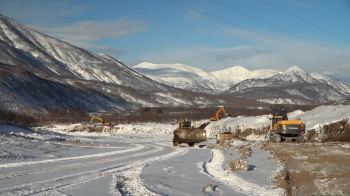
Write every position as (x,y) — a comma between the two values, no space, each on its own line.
(293,86)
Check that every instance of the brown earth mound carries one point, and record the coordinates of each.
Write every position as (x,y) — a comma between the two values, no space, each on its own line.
(312,168)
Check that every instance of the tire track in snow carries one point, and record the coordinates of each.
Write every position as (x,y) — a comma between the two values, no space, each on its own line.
(214,168)
(64,160)
(130,169)
(19,164)
(73,166)
(134,184)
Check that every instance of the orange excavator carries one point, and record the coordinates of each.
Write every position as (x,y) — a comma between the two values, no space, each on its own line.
(217,115)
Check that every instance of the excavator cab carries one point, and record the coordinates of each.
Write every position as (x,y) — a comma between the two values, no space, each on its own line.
(284,129)
(185,124)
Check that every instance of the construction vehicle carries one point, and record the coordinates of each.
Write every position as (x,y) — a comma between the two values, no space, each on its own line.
(103,122)
(284,129)
(188,133)
(217,115)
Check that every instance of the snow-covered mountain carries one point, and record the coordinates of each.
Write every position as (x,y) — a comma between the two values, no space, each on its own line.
(181,76)
(40,73)
(46,55)
(194,79)
(236,74)
(293,86)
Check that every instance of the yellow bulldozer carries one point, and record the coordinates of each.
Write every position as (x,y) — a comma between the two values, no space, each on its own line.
(187,132)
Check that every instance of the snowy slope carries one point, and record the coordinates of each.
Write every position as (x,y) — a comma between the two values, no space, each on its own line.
(332,82)
(55,57)
(232,75)
(180,76)
(72,77)
(236,74)
(293,86)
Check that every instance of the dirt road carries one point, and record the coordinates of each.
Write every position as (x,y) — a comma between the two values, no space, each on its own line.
(313,168)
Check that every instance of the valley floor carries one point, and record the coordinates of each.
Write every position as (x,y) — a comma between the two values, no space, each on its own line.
(47,162)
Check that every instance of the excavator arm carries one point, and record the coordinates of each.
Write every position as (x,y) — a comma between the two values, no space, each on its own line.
(100,119)
(217,115)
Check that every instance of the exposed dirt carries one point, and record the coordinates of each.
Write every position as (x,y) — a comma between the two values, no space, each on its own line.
(312,168)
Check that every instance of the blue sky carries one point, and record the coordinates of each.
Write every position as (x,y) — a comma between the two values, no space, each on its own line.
(207,34)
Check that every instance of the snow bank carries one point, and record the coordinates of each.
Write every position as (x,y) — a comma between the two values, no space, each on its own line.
(324,115)
(237,124)
(146,128)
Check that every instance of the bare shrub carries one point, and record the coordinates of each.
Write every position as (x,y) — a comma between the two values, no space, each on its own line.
(25,121)
(239,165)
(209,187)
(245,151)
(338,131)
(60,115)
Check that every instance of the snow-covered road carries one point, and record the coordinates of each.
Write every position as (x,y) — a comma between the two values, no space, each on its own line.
(51,163)
(139,159)
(65,174)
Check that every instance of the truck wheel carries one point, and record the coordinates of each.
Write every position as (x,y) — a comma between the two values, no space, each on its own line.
(191,144)
(278,138)
(271,138)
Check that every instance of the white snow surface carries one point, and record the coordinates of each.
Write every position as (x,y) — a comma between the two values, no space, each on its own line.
(139,159)
(237,73)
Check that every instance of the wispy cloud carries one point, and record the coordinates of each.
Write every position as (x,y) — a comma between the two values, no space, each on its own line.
(105,49)
(87,34)
(90,31)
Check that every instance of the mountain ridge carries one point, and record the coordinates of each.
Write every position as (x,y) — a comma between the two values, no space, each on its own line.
(97,80)
(40,74)
(247,81)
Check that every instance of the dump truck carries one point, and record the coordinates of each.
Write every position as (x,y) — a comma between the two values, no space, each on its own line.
(284,129)
(187,132)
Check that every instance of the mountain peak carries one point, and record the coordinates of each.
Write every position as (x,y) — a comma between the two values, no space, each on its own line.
(295,68)
(238,70)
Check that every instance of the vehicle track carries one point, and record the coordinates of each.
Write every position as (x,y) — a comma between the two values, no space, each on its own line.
(214,169)
(53,176)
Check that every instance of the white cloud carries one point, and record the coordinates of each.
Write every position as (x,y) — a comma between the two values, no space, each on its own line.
(90,31)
